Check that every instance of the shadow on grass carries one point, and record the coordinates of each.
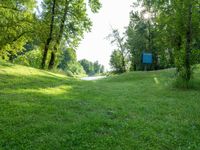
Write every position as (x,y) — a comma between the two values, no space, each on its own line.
(92,115)
(32,81)
(5,64)
(193,85)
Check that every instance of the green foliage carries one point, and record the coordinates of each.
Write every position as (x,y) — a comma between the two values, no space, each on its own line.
(68,55)
(75,68)
(180,64)
(60,24)
(91,68)
(171,32)
(22,60)
(16,24)
(136,40)
(122,51)
(68,62)
(65,21)
(116,61)
(98,68)
(195,57)
(95,5)
(144,35)
(31,58)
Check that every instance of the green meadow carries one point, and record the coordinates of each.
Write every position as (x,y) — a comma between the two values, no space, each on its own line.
(132,111)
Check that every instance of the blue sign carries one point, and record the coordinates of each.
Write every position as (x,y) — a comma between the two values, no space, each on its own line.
(147,58)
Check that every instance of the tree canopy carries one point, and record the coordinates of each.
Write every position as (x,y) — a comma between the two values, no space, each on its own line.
(170,30)
(52,34)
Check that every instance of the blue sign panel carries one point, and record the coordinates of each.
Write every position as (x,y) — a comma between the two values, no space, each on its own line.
(147,58)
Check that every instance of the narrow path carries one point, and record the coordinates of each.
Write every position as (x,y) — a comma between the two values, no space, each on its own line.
(93,78)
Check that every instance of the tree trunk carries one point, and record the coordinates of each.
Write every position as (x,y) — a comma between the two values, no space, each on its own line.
(52,60)
(178,48)
(44,57)
(46,48)
(133,63)
(155,60)
(122,51)
(123,63)
(171,57)
(149,36)
(58,40)
(188,45)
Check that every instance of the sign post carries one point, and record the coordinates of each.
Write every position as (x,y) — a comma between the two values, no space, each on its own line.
(147,59)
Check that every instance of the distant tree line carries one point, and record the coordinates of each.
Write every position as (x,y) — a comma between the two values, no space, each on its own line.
(170,30)
(44,39)
(92,68)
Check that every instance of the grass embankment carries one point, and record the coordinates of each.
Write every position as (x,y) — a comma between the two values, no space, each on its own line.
(42,110)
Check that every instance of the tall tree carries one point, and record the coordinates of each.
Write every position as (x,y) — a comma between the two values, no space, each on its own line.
(72,25)
(50,36)
(116,61)
(136,39)
(188,43)
(177,32)
(121,46)
(59,37)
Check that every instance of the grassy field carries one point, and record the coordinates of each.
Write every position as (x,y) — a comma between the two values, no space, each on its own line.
(133,111)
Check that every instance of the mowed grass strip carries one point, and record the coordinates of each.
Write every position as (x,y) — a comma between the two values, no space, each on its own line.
(141,110)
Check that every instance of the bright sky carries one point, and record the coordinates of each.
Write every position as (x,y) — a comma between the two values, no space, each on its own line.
(115,14)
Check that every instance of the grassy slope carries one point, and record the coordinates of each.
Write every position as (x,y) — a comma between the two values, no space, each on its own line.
(42,110)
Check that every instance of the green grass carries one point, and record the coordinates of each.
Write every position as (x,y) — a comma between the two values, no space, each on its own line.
(43,110)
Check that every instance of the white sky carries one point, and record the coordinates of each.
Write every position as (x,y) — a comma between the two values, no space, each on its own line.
(94,46)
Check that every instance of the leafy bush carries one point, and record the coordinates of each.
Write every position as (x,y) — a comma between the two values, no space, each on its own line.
(75,68)
(116,61)
(32,59)
(91,68)
(69,73)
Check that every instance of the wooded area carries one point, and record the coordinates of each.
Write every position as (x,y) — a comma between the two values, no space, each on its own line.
(170,30)
(46,39)
(149,100)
